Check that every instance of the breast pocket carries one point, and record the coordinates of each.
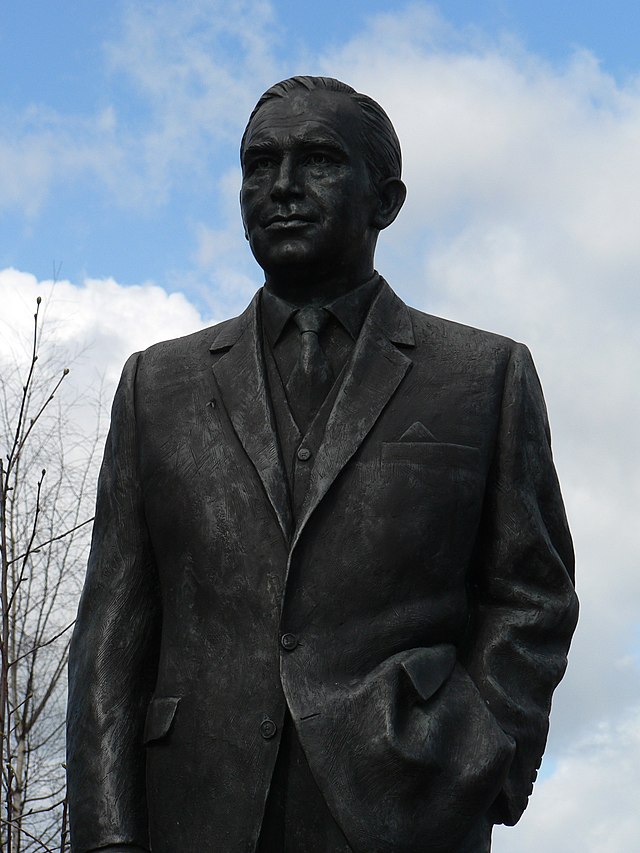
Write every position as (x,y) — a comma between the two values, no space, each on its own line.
(435,489)
(435,453)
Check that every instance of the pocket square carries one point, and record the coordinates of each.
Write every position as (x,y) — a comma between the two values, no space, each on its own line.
(417,432)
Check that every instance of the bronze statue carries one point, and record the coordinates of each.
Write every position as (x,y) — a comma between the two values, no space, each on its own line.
(330,590)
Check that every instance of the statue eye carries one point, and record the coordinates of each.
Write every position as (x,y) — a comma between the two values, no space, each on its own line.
(262,163)
(319,158)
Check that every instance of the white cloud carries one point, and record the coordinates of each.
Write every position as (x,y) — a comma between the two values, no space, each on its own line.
(195,65)
(590,803)
(98,323)
(40,148)
(182,77)
(226,276)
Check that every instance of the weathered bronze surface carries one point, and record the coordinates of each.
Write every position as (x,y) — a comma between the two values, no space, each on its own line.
(381,579)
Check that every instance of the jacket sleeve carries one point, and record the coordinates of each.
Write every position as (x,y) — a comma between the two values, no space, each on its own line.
(525,604)
(113,655)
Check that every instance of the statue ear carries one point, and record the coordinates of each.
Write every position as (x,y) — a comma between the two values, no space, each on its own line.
(391,195)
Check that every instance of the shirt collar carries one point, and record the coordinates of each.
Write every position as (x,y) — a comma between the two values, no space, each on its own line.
(350,309)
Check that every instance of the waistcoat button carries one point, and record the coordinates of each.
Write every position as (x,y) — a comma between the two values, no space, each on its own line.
(289,642)
(304,453)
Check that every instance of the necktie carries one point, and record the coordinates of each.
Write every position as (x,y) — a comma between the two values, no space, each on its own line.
(312,377)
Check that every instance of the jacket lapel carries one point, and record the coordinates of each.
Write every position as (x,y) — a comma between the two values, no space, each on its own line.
(241,377)
(376,371)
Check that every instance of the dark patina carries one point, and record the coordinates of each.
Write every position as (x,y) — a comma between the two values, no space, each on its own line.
(330,590)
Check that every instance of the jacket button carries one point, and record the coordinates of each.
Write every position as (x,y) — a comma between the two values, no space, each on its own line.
(304,453)
(268,729)
(288,642)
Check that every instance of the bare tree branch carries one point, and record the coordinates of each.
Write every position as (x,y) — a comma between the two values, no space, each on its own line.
(42,545)
(44,522)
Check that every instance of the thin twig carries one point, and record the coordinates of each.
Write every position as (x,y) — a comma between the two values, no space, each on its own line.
(25,394)
(42,545)
(15,825)
(34,528)
(43,644)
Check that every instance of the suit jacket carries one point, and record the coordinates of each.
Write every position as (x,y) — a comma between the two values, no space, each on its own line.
(425,590)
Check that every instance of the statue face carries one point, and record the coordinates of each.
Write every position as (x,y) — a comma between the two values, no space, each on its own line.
(306,197)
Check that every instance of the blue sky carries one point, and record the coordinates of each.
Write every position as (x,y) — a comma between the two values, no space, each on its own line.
(58,75)
(520,126)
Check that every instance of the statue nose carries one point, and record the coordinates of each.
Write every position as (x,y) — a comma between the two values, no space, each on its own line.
(286,182)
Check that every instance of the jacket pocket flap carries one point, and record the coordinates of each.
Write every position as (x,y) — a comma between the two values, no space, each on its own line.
(430,667)
(160,716)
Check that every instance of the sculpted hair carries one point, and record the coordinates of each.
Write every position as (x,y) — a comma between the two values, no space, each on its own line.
(380,143)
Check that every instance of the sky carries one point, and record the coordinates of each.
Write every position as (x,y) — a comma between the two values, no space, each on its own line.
(519,121)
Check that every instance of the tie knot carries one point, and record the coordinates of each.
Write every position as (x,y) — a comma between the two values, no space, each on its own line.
(311,319)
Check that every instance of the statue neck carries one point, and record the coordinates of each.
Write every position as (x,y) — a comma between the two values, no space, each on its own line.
(300,287)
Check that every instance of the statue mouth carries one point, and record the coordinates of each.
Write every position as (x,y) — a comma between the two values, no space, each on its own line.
(285,222)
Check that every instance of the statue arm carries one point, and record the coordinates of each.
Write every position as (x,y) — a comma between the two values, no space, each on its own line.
(113,655)
(525,604)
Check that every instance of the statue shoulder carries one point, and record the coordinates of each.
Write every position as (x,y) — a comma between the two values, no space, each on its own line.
(448,335)
(189,352)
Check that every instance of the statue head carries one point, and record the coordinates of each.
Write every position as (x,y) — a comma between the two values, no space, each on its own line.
(321,168)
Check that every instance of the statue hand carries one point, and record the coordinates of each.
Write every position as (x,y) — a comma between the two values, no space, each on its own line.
(124,848)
